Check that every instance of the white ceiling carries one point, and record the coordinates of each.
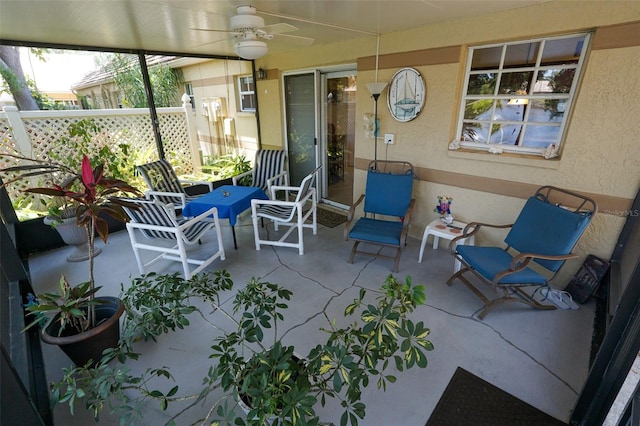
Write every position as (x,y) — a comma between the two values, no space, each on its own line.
(169,25)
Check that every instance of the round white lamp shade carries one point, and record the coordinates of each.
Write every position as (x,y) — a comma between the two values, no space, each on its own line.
(251,49)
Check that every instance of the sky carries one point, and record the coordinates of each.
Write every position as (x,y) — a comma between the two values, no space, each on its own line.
(61,70)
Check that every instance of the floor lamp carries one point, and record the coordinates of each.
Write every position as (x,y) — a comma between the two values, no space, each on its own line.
(376,89)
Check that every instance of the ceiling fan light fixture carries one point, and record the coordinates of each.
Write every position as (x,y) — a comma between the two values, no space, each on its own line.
(251,49)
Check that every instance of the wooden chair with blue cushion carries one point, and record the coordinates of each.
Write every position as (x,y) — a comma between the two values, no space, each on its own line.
(545,232)
(165,186)
(268,170)
(387,207)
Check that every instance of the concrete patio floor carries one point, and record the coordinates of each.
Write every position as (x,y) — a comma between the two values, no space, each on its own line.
(540,357)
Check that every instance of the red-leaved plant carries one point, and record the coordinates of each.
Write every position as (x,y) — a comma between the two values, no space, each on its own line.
(90,193)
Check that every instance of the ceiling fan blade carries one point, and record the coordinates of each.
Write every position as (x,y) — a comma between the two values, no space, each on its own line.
(216,31)
(279,28)
(303,41)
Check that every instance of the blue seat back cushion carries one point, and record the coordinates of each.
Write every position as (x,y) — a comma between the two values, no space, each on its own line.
(544,228)
(488,261)
(388,194)
(377,231)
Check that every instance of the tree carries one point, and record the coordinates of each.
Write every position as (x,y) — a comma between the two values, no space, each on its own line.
(166,82)
(11,72)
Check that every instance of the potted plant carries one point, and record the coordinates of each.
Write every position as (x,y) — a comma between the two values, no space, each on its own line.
(264,372)
(74,318)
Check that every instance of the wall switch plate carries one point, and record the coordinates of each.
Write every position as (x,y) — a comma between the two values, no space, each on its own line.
(389,138)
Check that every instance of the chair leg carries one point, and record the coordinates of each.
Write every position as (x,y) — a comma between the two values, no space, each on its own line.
(183,257)
(458,274)
(396,263)
(300,235)
(353,251)
(136,251)
(256,233)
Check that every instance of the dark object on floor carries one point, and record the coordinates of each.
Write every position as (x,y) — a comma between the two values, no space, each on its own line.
(470,400)
(586,280)
(329,219)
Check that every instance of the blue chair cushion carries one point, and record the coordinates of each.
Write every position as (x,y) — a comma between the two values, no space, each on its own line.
(388,194)
(377,231)
(488,261)
(545,228)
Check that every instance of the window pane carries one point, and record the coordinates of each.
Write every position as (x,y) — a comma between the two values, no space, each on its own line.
(505,134)
(246,84)
(540,111)
(520,55)
(475,132)
(482,84)
(562,51)
(555,81)
(248,102)
(486,58)
(479,109)
(515,82)
(540,136)
(512,110)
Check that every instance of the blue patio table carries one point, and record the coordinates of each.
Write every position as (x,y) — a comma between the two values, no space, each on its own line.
(229,200)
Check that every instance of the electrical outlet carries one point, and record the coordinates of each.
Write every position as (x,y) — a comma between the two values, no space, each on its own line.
(389,138)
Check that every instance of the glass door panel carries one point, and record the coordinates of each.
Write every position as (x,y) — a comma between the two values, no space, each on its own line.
(339,114)
(300,109)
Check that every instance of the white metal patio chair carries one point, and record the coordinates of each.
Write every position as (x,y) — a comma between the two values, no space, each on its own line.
(165,186)
(268,170)
(157,221)
(287,213)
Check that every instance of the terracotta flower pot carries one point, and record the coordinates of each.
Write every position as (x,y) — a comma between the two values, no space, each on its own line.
(88,345)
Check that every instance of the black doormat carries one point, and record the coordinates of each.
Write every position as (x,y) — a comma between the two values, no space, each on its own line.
(470,400)
(328,218)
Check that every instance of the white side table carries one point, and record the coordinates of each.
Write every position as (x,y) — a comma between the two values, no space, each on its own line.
(438,229)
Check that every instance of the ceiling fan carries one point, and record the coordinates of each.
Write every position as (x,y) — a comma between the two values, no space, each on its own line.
(248,29)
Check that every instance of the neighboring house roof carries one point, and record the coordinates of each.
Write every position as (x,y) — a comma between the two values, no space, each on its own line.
(103,75)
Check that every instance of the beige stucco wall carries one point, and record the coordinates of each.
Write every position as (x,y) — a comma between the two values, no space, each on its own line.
(600,154)
(217,79)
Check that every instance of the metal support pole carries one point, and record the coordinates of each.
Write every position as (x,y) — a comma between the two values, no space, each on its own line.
(155,123)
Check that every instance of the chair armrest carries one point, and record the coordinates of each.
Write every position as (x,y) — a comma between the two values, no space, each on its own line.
(236,178)
(276,177)
(156,194)
(213,211)
(470,230)
(286,188)
(198,182)
(405,223)
(407,216)
(350,216)
(522,260)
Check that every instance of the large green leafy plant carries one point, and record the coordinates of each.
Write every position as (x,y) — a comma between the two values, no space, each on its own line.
(91,194)
(280,388)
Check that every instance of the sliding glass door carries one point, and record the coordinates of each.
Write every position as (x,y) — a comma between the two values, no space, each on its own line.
(320,127)
(301,114)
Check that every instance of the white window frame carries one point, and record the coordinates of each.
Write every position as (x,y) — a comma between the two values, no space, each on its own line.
(460,141)
(251,93)
(188,89)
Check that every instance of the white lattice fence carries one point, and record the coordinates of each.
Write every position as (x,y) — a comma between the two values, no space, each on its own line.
(38,134)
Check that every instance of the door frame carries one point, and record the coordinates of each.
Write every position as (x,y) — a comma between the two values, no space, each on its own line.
(326,74)
(320,121)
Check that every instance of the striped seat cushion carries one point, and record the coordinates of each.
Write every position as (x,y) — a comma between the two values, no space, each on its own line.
(155,213)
